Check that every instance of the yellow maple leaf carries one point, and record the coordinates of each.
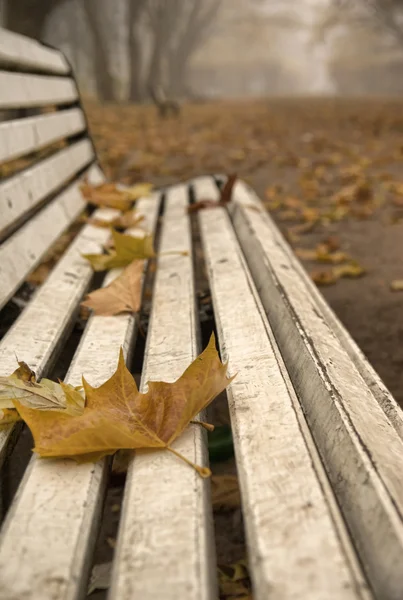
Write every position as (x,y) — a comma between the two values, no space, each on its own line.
(122,295)
(126,249)
(117,416)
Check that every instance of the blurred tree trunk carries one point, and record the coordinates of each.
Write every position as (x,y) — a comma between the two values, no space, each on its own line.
(102,72)
(135,57)
(28,16)
(192,31)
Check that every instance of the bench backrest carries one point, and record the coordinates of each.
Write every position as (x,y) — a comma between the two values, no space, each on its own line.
(44,150)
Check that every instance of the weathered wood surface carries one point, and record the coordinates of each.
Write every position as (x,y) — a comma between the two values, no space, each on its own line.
(20,194)
(20,254)
(290,517)
(165,544)
(56,514)
(23,136)
(42,327)
(359,445)
(19,51)
(21,90)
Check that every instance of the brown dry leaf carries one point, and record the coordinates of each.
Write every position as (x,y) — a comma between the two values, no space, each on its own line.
(127,249)
(225,197)
(324,255)
(120,296)
(332,242)
(396,285)
(273,191)
(117,416)
(109,194)
(226,192)
(225,492)
(352,269)
(305,253)
(322,277)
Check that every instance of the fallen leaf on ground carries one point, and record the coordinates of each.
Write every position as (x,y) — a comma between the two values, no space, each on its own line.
(112,196)
(124,221)
(397,285)
(126,249)
(352,269)
(225,491)
(122,295)
(322,277)
(117,416)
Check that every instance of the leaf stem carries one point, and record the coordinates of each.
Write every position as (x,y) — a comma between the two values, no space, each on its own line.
(207,426)
(170,252)
(202,471)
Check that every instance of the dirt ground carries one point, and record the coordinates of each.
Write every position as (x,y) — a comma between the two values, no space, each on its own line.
(330,173)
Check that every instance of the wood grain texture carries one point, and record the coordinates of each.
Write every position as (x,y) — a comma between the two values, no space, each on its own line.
(359,445)
(20,194)
(56,513)
(41,329)
(290,517)
(19,51)
(165,542)
(20,254)
(21,90)
(23,136)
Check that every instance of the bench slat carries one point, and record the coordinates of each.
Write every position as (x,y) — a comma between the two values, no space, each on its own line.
(164,547)
(56,513)
(20,51)
(26,91)
(360,447)
(20,194)
(40,329)
(368,373)
(289,526)
(20,254)
(27,135)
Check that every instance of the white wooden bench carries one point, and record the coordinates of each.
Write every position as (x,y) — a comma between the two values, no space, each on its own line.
(318,438)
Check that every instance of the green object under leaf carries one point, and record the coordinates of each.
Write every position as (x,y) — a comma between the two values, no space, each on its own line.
(220,444)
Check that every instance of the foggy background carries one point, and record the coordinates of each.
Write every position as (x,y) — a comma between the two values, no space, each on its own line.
(221,48)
